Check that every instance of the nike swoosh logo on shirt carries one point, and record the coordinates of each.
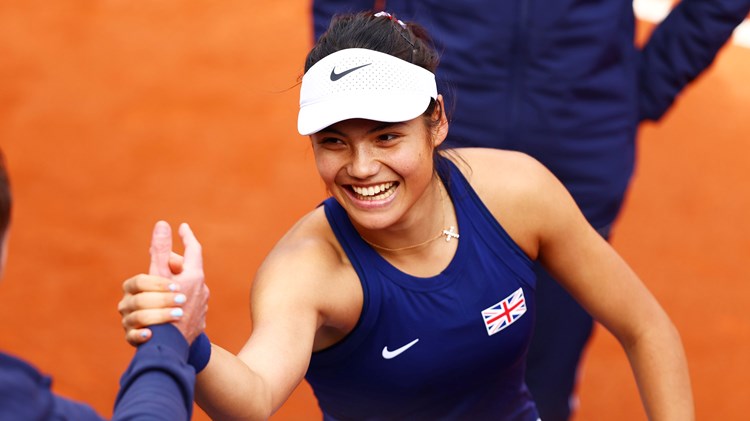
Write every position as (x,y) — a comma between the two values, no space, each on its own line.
(395,353)
(336,76)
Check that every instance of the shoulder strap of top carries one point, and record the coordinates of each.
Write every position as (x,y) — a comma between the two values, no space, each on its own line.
(466,200)
(348,237)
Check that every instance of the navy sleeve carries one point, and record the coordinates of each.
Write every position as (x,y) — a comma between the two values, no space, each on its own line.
(25,394)
(159,383)
(67,409)
(324,10)
(681,47)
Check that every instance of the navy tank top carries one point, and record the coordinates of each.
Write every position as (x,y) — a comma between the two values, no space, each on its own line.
(451,346)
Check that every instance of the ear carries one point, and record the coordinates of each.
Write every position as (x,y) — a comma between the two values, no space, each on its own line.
(441,130)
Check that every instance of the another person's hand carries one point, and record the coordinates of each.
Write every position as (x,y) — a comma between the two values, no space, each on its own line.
(173,291)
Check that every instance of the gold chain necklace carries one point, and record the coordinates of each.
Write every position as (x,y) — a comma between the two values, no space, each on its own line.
(448,233)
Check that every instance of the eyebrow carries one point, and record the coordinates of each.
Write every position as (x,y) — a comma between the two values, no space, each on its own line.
(377,128)
(381,127)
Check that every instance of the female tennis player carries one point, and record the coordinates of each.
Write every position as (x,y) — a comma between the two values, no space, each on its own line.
(409,293)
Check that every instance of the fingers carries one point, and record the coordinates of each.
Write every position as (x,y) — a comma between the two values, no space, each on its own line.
(144,318)
(193,253)
(150,300)
(149,283)
(155,298)
(136,337)
(161,249)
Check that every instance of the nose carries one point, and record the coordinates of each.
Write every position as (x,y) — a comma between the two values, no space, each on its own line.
(364,163)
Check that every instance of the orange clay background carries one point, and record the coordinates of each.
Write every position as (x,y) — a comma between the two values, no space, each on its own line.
(117,113)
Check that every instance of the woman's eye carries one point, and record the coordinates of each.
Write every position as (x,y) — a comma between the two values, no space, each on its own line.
(386,137)
(329,141)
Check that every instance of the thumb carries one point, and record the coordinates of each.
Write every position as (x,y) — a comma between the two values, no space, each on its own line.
(193,259)
(175,263)
(161,249)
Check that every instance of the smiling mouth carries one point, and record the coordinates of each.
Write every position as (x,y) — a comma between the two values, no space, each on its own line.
(373,193)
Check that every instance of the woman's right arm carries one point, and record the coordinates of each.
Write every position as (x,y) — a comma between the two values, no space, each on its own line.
(286,313)
(287,310)
(229,389)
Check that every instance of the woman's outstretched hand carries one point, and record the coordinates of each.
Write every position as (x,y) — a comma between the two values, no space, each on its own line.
(173,291)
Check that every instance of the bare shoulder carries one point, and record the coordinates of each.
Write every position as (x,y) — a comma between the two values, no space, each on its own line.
(307,270)
(496,168)
(304,255)
(505,180)
(517,189)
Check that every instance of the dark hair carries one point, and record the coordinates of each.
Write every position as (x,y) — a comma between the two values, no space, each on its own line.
(386,34)
(5,197)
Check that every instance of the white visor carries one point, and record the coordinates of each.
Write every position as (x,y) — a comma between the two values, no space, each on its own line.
(362,83)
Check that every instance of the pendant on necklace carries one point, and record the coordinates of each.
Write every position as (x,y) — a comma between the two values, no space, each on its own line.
(450,233)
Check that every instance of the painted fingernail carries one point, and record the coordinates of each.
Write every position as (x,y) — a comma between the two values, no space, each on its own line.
(144,334)
(176,312)
(173,287)
(180,298)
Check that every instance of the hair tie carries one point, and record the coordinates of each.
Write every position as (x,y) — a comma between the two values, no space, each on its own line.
(402,32)
(389,16)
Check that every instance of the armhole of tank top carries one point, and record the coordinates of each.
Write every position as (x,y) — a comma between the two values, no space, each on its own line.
(331,355)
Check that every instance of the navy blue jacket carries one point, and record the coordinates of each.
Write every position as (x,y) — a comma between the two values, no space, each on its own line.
(561,80)
(158,385)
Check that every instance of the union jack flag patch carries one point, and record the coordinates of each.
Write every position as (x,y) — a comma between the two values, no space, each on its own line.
(504,313)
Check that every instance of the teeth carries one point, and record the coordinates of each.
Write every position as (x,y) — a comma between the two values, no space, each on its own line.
(372,190)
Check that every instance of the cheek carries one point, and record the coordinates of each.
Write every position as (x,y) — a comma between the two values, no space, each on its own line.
(413,163)
(327,168)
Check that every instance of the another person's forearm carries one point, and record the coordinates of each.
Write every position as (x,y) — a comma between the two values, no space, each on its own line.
(158,384)
(227,389)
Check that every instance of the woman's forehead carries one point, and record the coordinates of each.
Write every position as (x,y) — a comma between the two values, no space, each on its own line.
(364,126)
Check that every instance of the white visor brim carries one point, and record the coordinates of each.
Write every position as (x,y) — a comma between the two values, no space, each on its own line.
(362,83)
